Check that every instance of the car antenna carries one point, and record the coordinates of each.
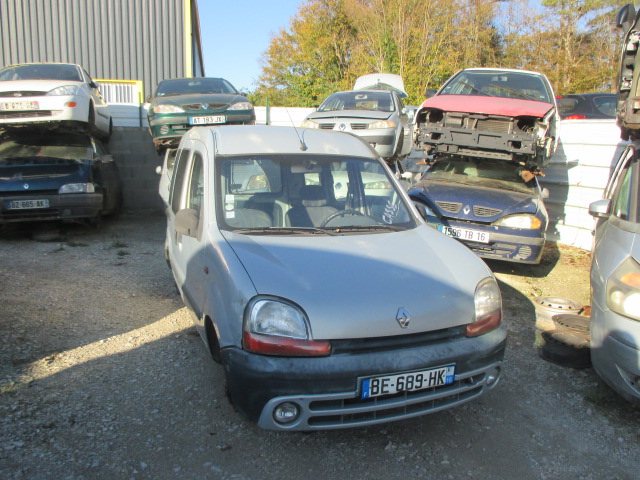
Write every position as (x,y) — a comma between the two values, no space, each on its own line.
(303,147)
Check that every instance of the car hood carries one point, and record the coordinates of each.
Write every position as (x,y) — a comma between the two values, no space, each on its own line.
(37,177)
(210,98)
(506,202)
(339,114)
(353,286)
(512,107)
(44,85)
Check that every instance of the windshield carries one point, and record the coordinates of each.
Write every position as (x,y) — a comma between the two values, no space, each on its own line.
(487,173)
(288,194)
(185,86)
(45,148)
(494,83)
(373,101)
(41,72)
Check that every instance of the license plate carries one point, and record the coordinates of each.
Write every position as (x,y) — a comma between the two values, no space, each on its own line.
(25,204)
(407,382)
(207,120)
(19,106)
(464,234)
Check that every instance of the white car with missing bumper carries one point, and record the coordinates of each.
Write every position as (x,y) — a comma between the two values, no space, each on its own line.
(52,95)
(315,283)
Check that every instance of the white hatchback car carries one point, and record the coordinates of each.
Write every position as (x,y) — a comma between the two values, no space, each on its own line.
(53,95)
(314,281)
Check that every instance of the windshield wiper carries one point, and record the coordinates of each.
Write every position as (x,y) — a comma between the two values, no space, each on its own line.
(288,230)
(369,228)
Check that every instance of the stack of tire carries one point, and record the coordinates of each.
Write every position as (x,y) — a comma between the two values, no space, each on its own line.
(562,332)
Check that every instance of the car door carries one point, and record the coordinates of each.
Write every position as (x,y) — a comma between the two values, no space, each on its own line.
(185,226)
(103,115)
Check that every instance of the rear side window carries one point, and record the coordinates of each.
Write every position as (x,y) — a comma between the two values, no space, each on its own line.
(625,194)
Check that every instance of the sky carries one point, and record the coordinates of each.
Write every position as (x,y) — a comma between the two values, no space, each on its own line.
(235,33)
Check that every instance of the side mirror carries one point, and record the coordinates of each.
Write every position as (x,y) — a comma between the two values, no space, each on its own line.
(186,222)
(625,17)
(430,92)
(600,208)
(421,209)
(544,193)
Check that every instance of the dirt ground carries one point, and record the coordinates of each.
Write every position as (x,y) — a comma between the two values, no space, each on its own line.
(102,375)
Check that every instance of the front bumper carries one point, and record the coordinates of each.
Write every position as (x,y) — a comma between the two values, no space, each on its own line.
(502,245)
(327,389)
(168,129)
(61,207)
(53,108)
(615,352)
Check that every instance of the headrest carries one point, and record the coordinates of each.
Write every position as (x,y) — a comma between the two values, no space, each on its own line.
(313,196)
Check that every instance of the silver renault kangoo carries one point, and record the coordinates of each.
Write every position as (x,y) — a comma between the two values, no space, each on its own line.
(315,283)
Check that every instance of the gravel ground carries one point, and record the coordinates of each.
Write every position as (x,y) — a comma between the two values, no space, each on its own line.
(102,375)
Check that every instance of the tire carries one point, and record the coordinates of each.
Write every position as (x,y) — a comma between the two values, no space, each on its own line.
(566,349)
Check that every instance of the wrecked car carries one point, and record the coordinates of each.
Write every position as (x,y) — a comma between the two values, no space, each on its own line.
(379,117)
(491,113)
(494,207)
(293,252)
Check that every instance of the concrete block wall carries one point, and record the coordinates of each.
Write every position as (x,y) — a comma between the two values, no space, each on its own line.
(137,160)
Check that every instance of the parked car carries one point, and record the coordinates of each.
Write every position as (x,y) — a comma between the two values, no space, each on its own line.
(56,176)
(304,295)
(615,279)
(377,116)
(53,95)
(179,104)
(494,207)
(587,106)
(491,113)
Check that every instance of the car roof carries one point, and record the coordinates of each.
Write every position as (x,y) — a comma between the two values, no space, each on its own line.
(267,139)
(506,70)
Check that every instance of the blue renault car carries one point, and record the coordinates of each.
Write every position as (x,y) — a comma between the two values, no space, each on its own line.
(494,207)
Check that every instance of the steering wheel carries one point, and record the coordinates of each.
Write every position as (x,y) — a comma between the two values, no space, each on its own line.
(341,213)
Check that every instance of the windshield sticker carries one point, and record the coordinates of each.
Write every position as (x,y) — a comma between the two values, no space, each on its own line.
(229,203)
(390,212)
(231,214)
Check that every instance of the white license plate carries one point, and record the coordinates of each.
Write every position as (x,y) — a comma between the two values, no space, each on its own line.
(464,234)
(407,382)
(207,120)
(19,106)
(25,204)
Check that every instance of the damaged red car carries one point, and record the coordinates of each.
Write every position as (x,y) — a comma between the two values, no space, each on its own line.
(491,113)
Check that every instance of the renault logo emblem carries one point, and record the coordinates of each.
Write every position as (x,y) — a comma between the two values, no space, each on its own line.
(25,186)
(342,127)
(466,209)
(403,317)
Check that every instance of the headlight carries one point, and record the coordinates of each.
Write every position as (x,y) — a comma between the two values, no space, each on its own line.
(241,106)
(310,124)
(623,289)
(382,124)
(167,109)
(488,303)
(64,90)
(529,222)
(275,327)
(77,188)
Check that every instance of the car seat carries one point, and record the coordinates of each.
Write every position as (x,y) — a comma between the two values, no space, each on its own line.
(312,209)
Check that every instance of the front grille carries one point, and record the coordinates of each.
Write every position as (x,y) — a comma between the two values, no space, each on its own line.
(327,126)
(485,211)
(355,411)
(494,125)
(18,94)
(396,342)
(25,114)
(358,126)
(207,106)
(451,207)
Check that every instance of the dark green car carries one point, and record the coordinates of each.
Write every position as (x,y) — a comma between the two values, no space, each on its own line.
(181,103)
